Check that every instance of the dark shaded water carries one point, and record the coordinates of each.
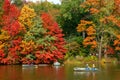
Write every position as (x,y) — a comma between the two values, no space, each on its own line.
(17,72)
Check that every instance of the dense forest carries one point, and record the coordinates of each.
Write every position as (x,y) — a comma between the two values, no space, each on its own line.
(44,32)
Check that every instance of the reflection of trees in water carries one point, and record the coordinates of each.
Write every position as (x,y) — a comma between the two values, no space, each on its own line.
(44,73)
(10,72)
(85,75)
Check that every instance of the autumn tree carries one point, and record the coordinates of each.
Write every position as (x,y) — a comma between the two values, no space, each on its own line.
(55,31)
(87,27)
(106,21)
(28,38)
(43,42)
(9,33)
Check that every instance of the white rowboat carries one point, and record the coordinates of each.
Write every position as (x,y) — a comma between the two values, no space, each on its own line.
(85,69)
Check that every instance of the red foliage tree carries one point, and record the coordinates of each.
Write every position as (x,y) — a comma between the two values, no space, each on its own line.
(109,50)
(2,55)
(10,15)
(12,26)
(54,30)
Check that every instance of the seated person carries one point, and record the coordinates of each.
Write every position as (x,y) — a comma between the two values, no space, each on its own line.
(87,67)
(93,67)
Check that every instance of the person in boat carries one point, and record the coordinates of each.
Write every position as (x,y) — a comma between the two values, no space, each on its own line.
(87,67)
(93,67)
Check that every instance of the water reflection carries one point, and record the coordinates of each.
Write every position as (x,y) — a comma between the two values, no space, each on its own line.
(10,72)
(17,72)
(85,75)
(44,73)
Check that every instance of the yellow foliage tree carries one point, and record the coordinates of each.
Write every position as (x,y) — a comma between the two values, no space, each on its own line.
(4,35)
(27,47)
(26,16)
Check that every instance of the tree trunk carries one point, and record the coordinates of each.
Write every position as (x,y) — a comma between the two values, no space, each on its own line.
(105,55)
(83,34)
(100,48)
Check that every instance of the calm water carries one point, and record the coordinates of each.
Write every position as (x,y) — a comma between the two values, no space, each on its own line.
(16,72)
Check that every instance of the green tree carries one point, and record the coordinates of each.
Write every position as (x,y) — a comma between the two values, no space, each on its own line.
(18,3)
(70,14)
(45,6)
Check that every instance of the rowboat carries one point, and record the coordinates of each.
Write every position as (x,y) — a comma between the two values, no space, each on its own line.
(25,66)
(28,65)
(85,69)
(56,64)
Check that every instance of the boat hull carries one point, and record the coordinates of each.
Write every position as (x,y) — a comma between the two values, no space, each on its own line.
(85,69)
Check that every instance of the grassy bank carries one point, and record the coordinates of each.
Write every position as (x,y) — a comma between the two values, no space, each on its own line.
(89,60)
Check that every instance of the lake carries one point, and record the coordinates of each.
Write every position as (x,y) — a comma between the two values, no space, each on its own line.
(17,72)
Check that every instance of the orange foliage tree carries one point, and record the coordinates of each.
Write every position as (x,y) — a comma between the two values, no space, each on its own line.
(88,26)
(90,39)
(105,15)
(117,42)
